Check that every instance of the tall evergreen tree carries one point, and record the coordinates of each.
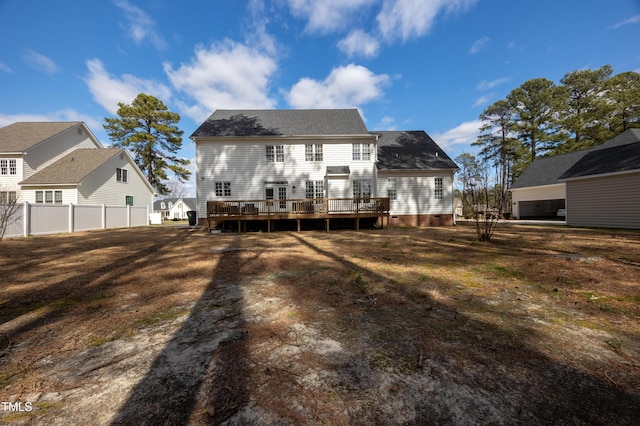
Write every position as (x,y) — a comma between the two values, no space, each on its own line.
(535,105)
(150,132)
(499,147)
(584,113)
(623,95)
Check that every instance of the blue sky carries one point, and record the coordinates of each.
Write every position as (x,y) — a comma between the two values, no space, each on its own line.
(430,65)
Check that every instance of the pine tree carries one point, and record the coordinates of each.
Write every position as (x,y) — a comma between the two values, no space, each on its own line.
(150,132)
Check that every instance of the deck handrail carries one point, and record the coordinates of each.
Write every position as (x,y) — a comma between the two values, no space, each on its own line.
(297,206)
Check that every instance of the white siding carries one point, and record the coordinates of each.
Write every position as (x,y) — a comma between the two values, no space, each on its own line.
(415,192)
(10,182)
(101,187)
(244,165)
(69,193)
(44,154)
(611,201)
(547,192)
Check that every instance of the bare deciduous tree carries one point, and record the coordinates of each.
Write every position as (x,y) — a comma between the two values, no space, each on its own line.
(9,209)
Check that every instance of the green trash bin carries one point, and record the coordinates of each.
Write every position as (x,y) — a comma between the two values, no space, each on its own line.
(191,214)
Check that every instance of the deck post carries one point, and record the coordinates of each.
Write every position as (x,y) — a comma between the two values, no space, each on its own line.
(268,225)
(239,226)
(298,220)
(327,220)
(357,223)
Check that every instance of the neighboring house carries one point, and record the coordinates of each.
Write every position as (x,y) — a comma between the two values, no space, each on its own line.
(593,176)
(174,208)
(26,148)
(321,155)
(63,163)
(603,187)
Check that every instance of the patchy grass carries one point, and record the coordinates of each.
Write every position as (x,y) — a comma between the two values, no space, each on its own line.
(415,326)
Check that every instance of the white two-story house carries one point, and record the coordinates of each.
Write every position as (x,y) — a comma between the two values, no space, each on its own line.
(245,157)
(64,163)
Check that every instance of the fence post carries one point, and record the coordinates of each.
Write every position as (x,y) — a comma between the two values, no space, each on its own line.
(71,212)
(26,219)
(128,216)
(104,216)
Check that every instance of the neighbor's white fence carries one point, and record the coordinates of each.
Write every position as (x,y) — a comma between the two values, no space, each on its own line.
(39,219)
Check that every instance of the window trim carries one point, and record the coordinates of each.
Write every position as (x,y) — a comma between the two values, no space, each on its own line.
(222,188)
(438,192)
(121,175)
(392,189)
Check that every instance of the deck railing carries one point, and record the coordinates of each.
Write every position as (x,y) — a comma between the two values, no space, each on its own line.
(305,206)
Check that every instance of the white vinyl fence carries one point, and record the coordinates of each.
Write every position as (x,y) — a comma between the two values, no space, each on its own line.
(40,219)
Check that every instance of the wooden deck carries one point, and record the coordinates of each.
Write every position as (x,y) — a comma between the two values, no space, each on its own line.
(242,211)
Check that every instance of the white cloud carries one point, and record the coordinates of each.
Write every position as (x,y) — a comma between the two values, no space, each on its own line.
(632,20)
(386,123)
(488,85)
(140,25)
(326,16)
(464,134)
(359,43)
(39,62)
(482,100)
(5,68)
(61,115)
(108,90)
(345,87)
(479,45)
(406,19)
(226,75)
(258,36)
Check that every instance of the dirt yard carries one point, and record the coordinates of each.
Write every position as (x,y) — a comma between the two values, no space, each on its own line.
(402,326)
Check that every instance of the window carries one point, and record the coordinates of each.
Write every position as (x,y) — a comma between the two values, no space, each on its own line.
(57,197)
(314,189)
(391,188)
(39,197)
(355,153)
(275,153)
(313,153)
(223,189)
(361,152)
(48,197)
(7,197)
(4,168)
(163,205)
(128,200)
(121,175)
(13,170)
(439,189)
(362,189)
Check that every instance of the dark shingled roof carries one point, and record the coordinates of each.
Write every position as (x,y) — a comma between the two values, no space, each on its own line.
(73,167)
(410,150)
(282,123)
(620,158)
(549,170)
(18,137)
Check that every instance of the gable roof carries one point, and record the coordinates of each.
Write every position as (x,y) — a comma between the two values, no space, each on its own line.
(73,167)
(410,150)
(621,158)
(301,122)
(550,170)
(18,137)
(189,202)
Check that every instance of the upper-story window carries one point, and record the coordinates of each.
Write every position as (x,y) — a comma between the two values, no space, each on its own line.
(121,175)
(361,152)
(163,205)
(8,167)
(275,153)
(313,152)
